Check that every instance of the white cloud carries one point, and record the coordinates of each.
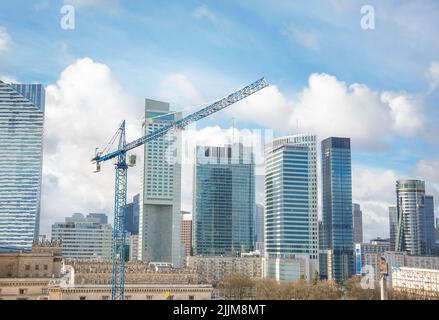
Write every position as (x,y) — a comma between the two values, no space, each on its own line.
(374,190)
(268,108)
(405,112)
(111,7)
(328,107)
(178,89)
(428,170)
(203,12)
(306,39)
(5,39)
(433,76)
(83,110)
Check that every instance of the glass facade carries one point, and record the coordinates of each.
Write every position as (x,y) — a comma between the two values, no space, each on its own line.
(357,216)
(259,226)
(415,214)
(224,200)
(291,227)
(132,216)
(160,200)
(337,207)
(21,137)
(393,225)
(84,237)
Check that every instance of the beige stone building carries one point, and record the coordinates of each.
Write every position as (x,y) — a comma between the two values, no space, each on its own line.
(44,275)
(212,269)
(133,292)
(423,283)
(26,275)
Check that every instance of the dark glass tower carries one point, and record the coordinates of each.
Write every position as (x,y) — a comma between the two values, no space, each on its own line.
(224,200)
(337,208)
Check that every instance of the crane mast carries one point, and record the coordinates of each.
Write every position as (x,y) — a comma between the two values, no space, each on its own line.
(121,167)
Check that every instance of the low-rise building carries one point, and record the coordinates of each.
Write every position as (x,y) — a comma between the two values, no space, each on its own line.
(416,282)
(212,269)
(84,237)
(26,275)
(133,292)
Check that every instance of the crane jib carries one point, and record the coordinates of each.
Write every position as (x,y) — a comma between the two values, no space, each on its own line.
(215,107)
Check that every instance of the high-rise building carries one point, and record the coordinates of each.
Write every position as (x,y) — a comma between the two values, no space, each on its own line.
(291,226)
(323,259)
(259,226)
(430,238)
(21,138)
(160,200)
(102,218)
(83,237)
(393,226)
(415,233)
(186,232)
(357,216)
(337,207)
(224,200)
(132,216)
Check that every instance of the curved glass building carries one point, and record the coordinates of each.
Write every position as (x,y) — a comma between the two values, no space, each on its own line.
(21,139)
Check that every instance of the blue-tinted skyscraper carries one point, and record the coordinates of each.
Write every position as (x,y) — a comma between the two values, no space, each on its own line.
(132,216)
(393,226)
(21,137)
(430,238)
(259,227)
(291,226)
(224,200)
(337,208)
(415,214)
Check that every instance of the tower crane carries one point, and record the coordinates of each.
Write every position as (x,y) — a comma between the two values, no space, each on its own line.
(121,166)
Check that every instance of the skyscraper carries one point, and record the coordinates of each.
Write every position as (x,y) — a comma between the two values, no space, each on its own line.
(357,216)
(21,138)
(84,237)
(291,227)
(224,200)
(430,238)
(337,207)
(393,225)
(259,226)
(132,216)
(100,217)
(160,200)
(415,232)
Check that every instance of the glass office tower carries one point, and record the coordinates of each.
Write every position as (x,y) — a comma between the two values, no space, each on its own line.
(415,232)
(393,225)
(357,216)
(291,226)
(224,200)
(337,208)
(21,138)
(160,199)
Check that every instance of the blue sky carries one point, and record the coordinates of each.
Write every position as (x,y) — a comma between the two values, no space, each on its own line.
(191,52)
